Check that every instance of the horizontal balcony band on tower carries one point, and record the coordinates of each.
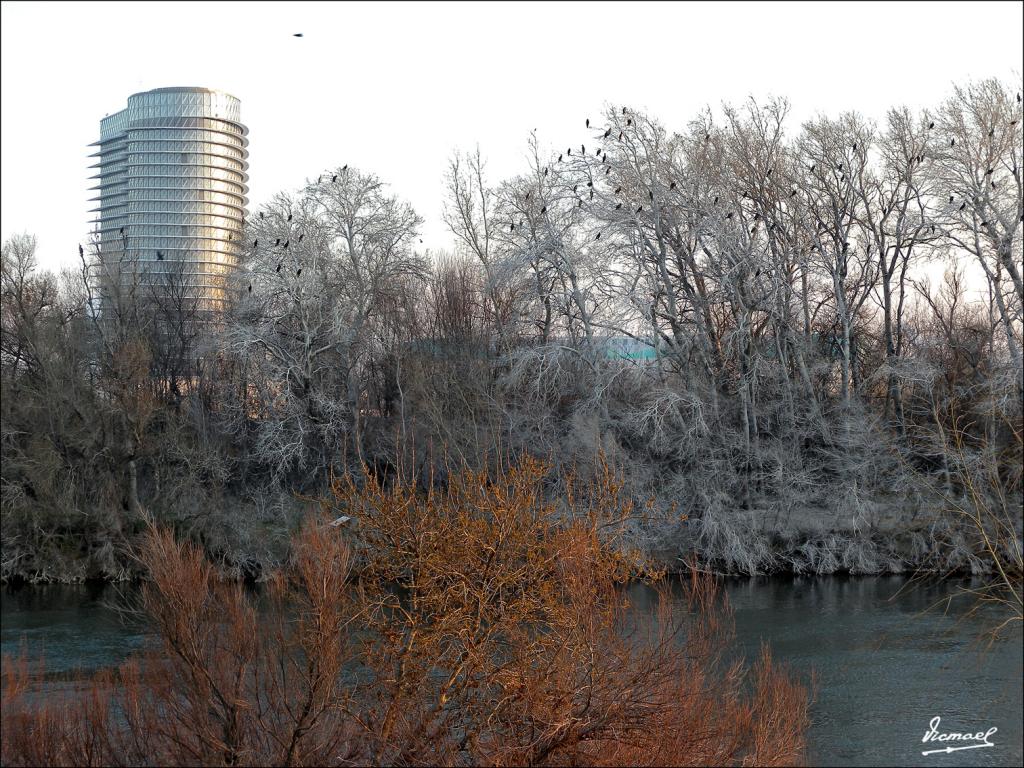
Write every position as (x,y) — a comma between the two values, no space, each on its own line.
(189,121)
(179,200)
(215,226)
(120,172)
(143,214)
(238,196)
(166,182)
(237,211)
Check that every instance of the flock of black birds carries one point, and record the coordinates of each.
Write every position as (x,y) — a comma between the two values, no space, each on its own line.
(918,159)
(288,220)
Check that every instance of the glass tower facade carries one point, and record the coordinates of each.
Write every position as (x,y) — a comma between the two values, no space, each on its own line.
(172,187)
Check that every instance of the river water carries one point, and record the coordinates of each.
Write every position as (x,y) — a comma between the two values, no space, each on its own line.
(889,655)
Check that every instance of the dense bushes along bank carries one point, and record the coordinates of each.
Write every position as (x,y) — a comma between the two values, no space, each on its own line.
(482,626)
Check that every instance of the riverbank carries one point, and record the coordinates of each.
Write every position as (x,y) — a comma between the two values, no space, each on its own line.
(878,540)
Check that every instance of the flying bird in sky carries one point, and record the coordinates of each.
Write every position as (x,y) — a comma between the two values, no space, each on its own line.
(297,34)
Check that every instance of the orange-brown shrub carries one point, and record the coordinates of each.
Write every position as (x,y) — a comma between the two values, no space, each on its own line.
(479,624)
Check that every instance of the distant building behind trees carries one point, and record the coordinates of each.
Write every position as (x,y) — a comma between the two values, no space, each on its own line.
(172,182)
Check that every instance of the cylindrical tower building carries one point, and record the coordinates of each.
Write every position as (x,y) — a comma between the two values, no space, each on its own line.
(172,193)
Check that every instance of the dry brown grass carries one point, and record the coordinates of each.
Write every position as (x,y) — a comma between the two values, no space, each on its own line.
(483,625)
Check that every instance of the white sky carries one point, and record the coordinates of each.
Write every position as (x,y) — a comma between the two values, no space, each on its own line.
(396,89)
